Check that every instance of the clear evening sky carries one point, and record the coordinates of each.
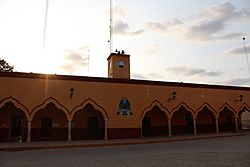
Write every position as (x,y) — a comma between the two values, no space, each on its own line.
(197,41)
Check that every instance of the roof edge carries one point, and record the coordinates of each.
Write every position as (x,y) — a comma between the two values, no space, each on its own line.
(116,80)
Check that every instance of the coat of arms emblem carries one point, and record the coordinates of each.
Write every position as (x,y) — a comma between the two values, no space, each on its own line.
(124,107)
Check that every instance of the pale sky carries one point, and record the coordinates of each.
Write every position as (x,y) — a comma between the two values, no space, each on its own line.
(195,41)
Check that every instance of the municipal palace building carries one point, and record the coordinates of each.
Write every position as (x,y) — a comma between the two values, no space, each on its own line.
(41,107)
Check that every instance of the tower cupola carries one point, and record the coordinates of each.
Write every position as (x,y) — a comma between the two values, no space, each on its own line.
(119,65)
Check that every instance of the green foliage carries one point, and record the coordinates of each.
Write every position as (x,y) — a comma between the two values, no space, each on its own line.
(5,67)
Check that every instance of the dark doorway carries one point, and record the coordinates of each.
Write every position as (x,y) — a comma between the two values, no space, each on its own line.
(205,121)
(16,126)
(229,122)
(146,124)
(93,127)
(88,123)
(155,123)
(49,123)
(46,128)
(189,123)
(13,123)
(182,122)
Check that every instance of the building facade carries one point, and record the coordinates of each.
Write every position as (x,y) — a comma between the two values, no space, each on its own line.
(38,107)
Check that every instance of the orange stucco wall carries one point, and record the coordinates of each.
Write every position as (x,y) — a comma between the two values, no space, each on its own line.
(30,94)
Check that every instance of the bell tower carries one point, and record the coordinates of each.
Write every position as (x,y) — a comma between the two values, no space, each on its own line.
(119,65)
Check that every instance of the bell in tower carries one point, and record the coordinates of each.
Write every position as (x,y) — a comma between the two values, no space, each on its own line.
(119,65)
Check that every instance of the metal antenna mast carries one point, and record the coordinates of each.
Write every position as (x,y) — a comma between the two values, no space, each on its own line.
(45,23)
(88,60)
(111,27)
(245,48)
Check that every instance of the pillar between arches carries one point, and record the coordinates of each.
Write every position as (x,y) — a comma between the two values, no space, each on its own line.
(217,125)
(236,125)
(69,129)
(141,129)
(194,123)
(106,129)
(29,131)
(169,127)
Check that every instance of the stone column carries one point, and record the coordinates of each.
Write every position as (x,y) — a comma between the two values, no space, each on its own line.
(217,125)
(106,129)
(194,123)
(236,125)
(141,130)
(29,131)
(169,128)
(69,129)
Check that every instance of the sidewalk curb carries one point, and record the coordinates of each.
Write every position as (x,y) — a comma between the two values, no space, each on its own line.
(115,143)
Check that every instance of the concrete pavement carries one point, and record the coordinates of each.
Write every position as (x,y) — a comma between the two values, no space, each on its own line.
(101,143)
(215,151)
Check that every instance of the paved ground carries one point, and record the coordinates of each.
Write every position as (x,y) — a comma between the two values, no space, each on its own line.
(97,143)
(228,152)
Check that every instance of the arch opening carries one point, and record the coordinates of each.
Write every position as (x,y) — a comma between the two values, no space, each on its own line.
(206,121)
(13,123)
(88,123)
(182,121)
(226,120)
(49,123)
(244,119)
(155,123)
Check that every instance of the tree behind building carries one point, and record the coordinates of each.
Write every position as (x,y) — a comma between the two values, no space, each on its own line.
(5,67)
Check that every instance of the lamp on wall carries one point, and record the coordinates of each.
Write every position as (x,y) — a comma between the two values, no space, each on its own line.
(173,96)
(240,98)
(71,92)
